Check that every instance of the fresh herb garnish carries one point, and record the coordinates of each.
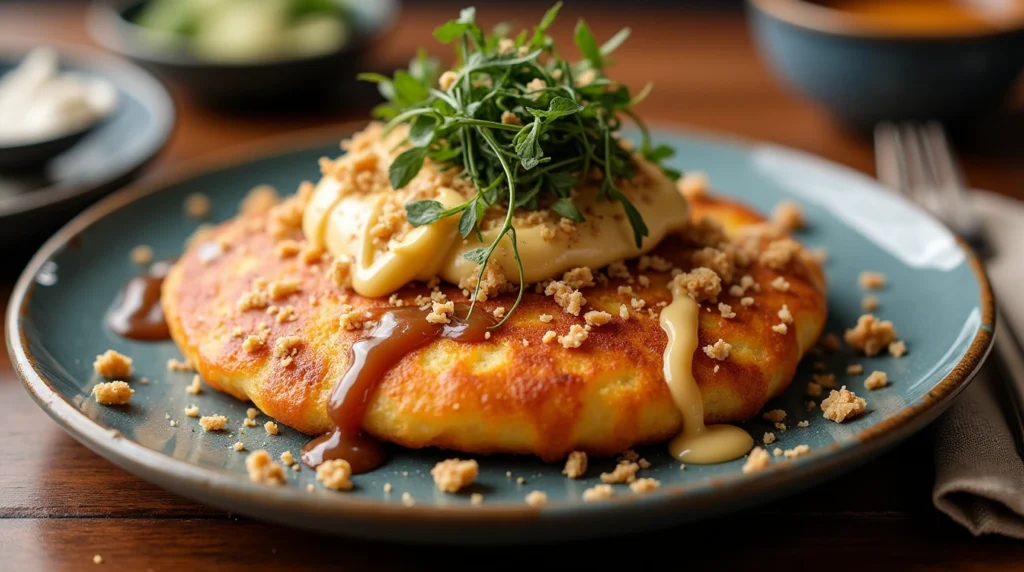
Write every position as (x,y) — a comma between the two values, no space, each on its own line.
(523,124)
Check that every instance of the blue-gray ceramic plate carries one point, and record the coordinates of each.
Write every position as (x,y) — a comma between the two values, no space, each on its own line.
(34,204)
(937,296)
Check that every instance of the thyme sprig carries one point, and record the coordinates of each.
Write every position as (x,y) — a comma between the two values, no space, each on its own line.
(523,124)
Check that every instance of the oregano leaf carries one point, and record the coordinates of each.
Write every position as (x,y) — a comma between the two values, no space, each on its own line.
(406,166)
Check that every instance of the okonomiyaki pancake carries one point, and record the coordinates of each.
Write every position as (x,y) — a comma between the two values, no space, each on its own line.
(260,316)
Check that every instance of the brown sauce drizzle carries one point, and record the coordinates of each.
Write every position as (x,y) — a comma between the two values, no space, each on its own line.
(136,312)
(398,332)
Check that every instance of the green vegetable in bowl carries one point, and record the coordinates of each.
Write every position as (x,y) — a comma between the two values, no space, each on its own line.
(247,30)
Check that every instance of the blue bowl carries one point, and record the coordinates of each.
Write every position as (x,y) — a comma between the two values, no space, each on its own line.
(863,74)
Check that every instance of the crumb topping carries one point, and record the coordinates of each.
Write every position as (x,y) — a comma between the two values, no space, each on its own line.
(871,280)
(141,255)
(780,283)
(194,388)
(700,284)
(788,216)
(574,338)
(624,472)
(854,369)
(113,365)
(719,350)
(842,405)
(757,460)
(581,277)
(869,303)
(537,498)
(271,428)
(440,312)
(598,493)
(693,185)
(796,451)
(775,416)
(286,348)
(719,261)
(726,311)
(287,248)
(211,423)
(825,379)
(768,438)
(452,475)
(779,253)
(870,335)
(192,411)
(197,205)
(597,318)
(568,298)
(112,393)
(898,348)
(644,485)
(575,465)
(785,315)
(262,469)
(335,474)
(877,380)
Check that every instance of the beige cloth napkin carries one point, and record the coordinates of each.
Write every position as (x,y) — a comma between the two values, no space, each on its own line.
(979,472)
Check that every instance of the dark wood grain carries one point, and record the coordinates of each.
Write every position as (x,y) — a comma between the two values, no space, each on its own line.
(60,504)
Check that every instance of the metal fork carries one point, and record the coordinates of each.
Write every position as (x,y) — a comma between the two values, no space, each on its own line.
(917,161)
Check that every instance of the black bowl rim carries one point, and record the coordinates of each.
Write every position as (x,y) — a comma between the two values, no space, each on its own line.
(108,27)
(160,99)
(817,18)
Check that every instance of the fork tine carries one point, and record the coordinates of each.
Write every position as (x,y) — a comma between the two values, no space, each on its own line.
(950,182)
(889,157)
(918,178)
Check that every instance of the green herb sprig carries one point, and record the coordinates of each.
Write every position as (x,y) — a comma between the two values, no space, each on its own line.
(523,124)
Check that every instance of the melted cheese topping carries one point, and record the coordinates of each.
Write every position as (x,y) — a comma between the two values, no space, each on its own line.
(696,443)
(341,222)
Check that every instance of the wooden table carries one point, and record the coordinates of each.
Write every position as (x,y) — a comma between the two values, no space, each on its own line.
(61,504)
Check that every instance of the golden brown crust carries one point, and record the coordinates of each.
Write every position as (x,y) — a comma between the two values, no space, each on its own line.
(512,393)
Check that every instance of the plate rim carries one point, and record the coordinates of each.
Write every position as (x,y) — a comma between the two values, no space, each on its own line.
(781,475)
(158,97)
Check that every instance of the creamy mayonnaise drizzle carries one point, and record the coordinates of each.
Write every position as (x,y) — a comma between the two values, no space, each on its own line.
(339,222)
(696,443)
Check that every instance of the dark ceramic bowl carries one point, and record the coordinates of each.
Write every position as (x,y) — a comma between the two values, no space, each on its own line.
(297,79)
(32,156)
(864,74)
